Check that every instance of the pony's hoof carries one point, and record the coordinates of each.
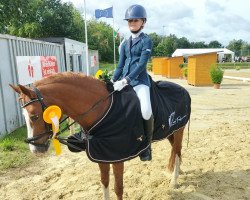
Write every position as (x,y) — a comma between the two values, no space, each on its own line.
(146,155)
(173,185)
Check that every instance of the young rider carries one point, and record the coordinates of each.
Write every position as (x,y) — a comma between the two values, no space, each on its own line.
(134,55)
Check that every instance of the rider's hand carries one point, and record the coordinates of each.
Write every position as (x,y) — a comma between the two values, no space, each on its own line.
(119,85)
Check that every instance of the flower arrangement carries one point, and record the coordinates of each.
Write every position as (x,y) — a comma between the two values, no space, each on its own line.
(103,75)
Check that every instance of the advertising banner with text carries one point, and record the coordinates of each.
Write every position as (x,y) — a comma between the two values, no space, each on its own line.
(33,68)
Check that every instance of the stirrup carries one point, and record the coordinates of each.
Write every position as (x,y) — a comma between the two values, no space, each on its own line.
(76,142)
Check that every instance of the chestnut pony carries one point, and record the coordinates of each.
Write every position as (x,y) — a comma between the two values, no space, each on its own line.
(75,94)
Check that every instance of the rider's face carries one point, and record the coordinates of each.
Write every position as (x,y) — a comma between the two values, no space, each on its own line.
(135,24)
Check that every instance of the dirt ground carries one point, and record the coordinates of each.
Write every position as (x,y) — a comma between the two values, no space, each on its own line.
(216,163)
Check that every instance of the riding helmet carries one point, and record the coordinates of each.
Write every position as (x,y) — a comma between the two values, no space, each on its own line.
(136,12)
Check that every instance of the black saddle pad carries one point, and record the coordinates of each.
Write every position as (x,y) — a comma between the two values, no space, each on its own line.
(119,135)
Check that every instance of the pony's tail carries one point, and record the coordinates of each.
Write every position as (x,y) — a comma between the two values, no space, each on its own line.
(188,131)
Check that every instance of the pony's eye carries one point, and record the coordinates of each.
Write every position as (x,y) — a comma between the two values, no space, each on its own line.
(33,118)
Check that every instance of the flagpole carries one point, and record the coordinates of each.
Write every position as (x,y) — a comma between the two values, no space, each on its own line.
(86,39)
(114,38)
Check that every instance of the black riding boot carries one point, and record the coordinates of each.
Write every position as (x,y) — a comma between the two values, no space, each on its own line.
(148,128)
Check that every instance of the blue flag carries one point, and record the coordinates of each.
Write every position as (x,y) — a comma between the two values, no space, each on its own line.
(108,13)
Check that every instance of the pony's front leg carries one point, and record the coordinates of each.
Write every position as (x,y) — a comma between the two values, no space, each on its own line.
(118,169)
(104,169)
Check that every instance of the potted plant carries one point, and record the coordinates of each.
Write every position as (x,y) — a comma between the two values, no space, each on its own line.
(216,75)
(149,67)
(237,68)
(184,71)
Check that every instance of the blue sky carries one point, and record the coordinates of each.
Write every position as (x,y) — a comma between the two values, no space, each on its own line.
(197,20)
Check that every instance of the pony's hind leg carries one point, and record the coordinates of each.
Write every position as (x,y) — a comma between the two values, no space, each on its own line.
(175,158)
(118,169)
(104,169)
(175,173)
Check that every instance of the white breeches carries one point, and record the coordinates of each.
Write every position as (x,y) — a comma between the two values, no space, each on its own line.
(143,93)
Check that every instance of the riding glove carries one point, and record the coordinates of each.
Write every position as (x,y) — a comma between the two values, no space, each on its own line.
(119,85)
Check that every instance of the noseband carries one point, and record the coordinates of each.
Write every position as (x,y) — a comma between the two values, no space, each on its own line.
(48,131)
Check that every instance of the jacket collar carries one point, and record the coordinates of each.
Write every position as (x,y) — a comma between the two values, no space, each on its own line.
(136,40)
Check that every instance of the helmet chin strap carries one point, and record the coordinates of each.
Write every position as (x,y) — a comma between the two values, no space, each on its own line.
(136,31)
(142,26)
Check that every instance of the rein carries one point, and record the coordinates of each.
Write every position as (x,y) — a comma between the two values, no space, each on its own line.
(49,132)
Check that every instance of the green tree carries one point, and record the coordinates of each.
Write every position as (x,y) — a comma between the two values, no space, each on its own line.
(245,50)
(156,39)
(198,45)
(236,46)
(52,18)
(101,38)
(60,20)
(214,44)
(41,18)
(16,15)
(167,46)
(183,43)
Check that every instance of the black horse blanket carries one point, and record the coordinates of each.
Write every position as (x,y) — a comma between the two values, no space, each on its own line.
(119,135)
(171,105)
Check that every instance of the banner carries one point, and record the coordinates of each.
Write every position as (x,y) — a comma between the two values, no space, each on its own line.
(108,13)
(48,65)
(33,68)
(93,61)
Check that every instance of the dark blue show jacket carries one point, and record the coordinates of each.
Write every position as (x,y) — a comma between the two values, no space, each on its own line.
(134,56)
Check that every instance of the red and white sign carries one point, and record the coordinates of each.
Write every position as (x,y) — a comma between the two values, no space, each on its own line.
(33,68)
(93,61)
(48,65)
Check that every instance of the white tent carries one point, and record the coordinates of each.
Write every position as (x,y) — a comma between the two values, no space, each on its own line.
(188,52)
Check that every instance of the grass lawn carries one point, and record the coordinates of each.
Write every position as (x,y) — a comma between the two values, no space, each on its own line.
(14,152)
(109,66)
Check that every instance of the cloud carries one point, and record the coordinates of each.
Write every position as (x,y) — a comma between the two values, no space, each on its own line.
(197,20)
(170,12)
(212,6)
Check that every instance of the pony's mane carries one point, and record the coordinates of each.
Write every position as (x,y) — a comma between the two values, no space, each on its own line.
(65,77)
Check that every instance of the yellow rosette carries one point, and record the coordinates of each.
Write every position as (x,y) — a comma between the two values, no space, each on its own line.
(98,74)
(51,115)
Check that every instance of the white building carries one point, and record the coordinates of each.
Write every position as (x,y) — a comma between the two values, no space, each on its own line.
(188,52)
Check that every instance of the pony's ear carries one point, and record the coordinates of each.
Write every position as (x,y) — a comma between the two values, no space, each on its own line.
(30,93)
(22,89)
(15,88)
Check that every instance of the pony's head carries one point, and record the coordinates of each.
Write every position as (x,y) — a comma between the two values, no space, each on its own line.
(39,132)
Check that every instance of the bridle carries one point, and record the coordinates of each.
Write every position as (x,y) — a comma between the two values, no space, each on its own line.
(31,140)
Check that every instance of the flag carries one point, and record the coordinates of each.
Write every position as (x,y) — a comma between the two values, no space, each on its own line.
(108,13)
(116,34)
